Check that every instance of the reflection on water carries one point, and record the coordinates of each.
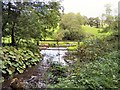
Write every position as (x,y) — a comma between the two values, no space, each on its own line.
(54,55)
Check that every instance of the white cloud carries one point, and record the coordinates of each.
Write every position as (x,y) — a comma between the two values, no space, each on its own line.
(90,8)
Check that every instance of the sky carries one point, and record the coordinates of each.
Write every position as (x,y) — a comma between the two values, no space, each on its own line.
(89,8)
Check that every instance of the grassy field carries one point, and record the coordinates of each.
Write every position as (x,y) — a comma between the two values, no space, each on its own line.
(95,32)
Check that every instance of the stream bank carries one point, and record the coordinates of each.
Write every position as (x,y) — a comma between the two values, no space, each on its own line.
(36,76)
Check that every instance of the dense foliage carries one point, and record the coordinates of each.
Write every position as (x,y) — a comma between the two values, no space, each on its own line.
(16,60)
(94,22)
(96,67)
(99,74)
(70,24)
(21,19)
(95,64)
(56,72)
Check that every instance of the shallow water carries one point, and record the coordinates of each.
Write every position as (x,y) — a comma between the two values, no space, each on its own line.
(54,55)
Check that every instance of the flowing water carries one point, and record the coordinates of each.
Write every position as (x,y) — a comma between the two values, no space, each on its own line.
(54,55)
(35,76)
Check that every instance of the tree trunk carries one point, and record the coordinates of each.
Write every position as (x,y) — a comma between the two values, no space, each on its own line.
(12,35)
(4,24)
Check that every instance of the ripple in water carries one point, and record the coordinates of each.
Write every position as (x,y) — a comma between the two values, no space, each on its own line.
(54,55)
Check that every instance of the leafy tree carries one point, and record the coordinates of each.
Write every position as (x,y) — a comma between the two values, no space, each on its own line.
(94,22)
(115,24)
(26,20)
(108,9)
(71,25)
(97,22)
(91,21)
(108,17)
(10,14)
(85,20)
(102,20)
(58,35)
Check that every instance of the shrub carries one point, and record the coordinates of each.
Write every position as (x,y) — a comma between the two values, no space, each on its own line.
(16,60)
(56,72)
(99,74)
(73,35)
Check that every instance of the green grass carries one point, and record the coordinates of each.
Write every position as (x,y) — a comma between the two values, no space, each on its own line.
(90,30)
(95,32)
(6,39)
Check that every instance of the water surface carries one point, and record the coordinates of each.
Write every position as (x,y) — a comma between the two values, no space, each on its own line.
(54,55)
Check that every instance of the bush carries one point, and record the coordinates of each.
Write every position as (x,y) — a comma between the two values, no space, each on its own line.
(16,60)
(99,74)
(56,72)
(73,35)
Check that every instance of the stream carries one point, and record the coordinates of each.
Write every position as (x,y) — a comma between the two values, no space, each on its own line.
(54,55)
(36,76)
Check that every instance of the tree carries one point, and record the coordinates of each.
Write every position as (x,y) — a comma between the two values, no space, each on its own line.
(94,22)
(102,20)
(10,15)
(97,22)
(85,20)
(71,26)
(26,20)
(91,21)
(108,17)
(108,9)
(115,24)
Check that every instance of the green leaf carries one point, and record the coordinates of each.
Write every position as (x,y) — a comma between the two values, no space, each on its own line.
(11,52)
(3,66)
(9,71)
(12,56)
(20,70)
(15,64)
(1,52)
(27,63)
(1,79)
(24,66)
(4,72)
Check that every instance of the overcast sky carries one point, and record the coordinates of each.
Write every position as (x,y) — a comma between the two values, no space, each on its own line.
(89,8)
